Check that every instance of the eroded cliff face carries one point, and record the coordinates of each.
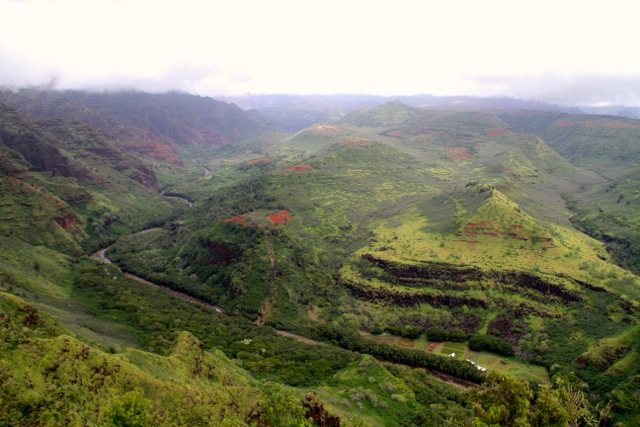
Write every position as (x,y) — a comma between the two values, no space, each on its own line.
(23,136)
(95,147)
(451,277)
(154,150)
(67,222)
(70,149)
(34,215)
(155,123)
(51,173)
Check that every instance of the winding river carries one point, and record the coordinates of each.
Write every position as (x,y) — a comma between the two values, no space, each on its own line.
(206,171)
(102,256)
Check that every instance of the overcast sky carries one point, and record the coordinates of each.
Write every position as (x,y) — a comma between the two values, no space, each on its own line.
(565,51)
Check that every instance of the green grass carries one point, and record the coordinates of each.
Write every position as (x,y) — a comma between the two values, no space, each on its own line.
(552,251)
(495,362)
(492,361)
(73,383)
(437,195)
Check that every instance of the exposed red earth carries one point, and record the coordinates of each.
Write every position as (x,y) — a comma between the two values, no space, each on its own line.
(299,168)
(237,218)
(155,150)
(280,218)
(498,132)
(67,222)
(327,129)
(259,160)
(458,153)
(275,218)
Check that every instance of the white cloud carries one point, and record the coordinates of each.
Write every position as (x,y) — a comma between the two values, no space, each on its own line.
(222,47)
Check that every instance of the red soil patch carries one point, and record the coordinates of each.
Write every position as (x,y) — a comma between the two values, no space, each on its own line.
(155,150)
(326,129)
(458,153)
(280,218)
(498,132)
(484,227)
(66,222)
(489,228)
(395,133)
(260,160)
(470,229)
(237,218)
(432,346)
(299,168)
(519,232)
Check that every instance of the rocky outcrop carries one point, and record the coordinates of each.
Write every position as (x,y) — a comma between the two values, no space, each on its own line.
(521,279)
(429,272)
(410,297)
(67,222)
(154,150)
(171,118)
(448,276)
(43,156)
(68,149)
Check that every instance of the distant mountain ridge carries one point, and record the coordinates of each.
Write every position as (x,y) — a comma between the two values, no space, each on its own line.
(296,112)
(153,125)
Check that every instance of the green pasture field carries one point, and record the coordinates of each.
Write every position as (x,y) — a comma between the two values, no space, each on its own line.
(491,361)
(494,362)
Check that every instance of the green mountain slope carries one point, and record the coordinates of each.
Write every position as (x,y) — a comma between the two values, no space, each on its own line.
(65,184)
(609,212)
(608,146)
(460,228)
(71,383)
(139,120)
(604,144)
(444,232)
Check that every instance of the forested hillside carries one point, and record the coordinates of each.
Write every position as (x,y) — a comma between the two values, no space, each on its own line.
(175,260)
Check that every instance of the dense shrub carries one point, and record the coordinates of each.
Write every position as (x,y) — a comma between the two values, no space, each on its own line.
(490,343)
(440,334)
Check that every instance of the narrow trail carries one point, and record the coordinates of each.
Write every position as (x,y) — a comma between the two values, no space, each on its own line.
(177,294)
(178,197)
(272,254)
(101,255)
(297,337)
(181,198)
(206,170)
(266,306)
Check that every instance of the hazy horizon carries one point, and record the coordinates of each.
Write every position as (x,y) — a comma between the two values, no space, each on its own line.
(567,53)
